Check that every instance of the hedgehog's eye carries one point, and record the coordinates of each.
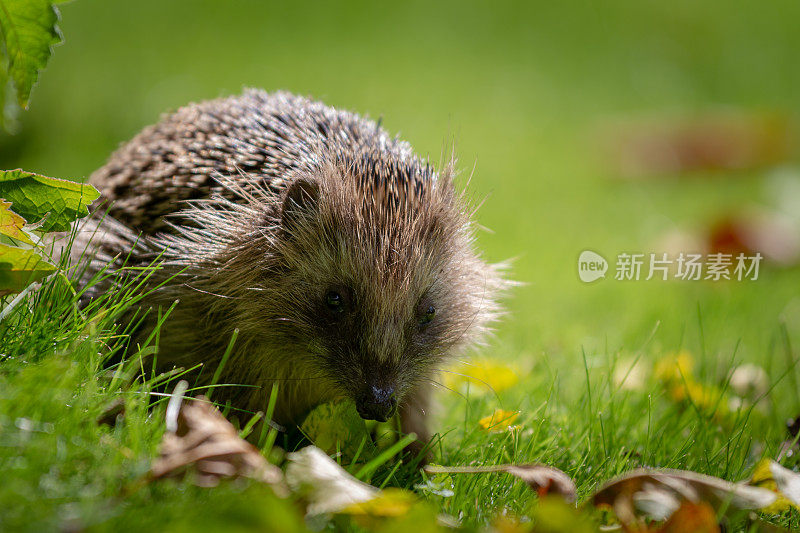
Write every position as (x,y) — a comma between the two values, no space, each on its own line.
(427,316)
(334,301)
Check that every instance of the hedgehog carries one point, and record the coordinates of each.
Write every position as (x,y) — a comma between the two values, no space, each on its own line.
(344,263)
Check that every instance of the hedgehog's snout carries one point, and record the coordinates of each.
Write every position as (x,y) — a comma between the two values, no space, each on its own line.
(376,402)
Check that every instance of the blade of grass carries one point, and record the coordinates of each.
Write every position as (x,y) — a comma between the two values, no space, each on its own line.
(268,432)
(223,361)
(365,471)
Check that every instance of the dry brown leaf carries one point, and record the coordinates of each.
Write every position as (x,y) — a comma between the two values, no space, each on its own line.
(659,493)
(200,439)
(541,478)
(694,517)
(545,480)
(713,143)
(771,234)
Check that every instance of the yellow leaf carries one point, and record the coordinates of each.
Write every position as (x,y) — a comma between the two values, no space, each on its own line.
(390,502)
(554,515)
(483,375)
(762,477)
(703,396)
(500,420)
(11,224)
(675,367)
(708,399)
(509,524)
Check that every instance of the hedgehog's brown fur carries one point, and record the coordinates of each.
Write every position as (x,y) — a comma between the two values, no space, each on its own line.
(263,202)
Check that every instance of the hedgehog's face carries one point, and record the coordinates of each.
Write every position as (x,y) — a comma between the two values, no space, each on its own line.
(377,353)
(377,339)
(378,308)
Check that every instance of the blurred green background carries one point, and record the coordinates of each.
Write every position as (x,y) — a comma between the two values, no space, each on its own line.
(520,88)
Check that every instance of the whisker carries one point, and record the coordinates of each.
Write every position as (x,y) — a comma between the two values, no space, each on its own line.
(488,386)
(441,385)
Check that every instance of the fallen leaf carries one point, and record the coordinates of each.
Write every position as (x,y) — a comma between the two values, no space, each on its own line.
(712,142)
(659,493)
(500,420)
(420,518)
(545,480)
(750,381)
(787,481)
(201,440)
(775,236)
(506,523)
(762,477)
(327,487)
(391,502)
(783,482)
(554,515)
(337,427)
(691,517)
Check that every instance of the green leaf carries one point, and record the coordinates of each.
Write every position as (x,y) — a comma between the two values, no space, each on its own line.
(29,32)
(11,224)
(6,108)
(33,196)
(19,267)
(336,427)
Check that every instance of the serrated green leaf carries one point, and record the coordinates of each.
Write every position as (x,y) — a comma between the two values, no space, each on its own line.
(33,196)
(11,224)
(29,31)
(19,267)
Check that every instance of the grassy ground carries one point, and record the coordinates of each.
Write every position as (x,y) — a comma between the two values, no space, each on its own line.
(521,89)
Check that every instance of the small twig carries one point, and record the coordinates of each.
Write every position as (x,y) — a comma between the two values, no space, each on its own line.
(17,299)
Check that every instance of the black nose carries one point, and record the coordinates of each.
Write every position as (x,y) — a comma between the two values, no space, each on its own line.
(376,403)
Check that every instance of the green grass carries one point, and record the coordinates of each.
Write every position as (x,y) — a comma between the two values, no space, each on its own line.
(521,89)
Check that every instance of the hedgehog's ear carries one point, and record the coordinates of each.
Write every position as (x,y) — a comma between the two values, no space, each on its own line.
(300,202)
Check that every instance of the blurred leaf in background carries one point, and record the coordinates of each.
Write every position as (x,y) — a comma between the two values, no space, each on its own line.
(29,32)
